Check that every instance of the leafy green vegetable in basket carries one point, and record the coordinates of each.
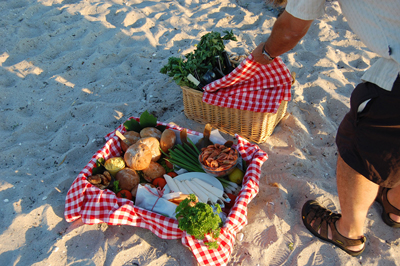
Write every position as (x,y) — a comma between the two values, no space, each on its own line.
(198,219)
(202,59)
(116,187)
(146,120)
(99,168)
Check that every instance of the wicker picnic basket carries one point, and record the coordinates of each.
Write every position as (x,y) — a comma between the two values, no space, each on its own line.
(253,126)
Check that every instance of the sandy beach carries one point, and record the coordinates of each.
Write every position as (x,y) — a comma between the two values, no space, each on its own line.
(72,71)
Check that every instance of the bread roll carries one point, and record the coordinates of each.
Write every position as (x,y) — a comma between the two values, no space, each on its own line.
(150,132)
(168,139)
(154,146)
(132,137)
(138,156)
(127,178)
(153,171)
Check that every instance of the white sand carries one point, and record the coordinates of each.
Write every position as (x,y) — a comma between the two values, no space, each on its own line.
(71,71)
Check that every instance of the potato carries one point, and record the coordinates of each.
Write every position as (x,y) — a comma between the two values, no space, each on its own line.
(168,139)
(138,156)
(150,132)
(127,178)
(132,137)
(154,146)
(153,171)
(134,191)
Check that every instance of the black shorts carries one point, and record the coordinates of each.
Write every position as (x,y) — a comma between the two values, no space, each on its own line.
(369,141)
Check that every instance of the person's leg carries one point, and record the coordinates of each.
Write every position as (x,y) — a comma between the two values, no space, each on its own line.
(393,197)
(356,195)
(378,163)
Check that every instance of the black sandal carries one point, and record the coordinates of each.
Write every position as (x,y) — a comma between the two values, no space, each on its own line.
(322,217)
(387,207)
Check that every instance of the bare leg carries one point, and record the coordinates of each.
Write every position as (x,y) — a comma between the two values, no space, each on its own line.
(394,199)
(356,195)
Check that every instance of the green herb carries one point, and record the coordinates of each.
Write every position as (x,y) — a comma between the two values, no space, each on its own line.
(132,125)
(99,168)
(116,187)
(146,120)
(202,59)
(198,219)
(212,244)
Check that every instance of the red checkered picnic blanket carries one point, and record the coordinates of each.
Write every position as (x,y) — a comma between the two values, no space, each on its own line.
(96,206)
(252,87)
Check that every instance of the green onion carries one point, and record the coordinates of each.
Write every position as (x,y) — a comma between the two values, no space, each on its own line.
(185,157)
(194,146)
(224,182)
(189,148)
(188,155)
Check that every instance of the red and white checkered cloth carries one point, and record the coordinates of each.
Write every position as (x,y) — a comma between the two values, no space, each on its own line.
(252,87)
(96,206)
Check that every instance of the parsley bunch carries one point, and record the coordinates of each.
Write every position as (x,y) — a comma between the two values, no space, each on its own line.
(198,219)
(202,59)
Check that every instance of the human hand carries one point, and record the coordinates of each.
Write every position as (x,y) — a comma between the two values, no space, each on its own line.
(258,55)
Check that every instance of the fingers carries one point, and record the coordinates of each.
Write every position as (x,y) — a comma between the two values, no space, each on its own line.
(258,55)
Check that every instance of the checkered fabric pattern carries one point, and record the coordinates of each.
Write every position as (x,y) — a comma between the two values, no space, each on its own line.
(96,206)
(251,87)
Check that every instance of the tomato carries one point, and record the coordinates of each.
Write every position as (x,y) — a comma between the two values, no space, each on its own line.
(126,194)
(232,202)
(172,174)
(159,182)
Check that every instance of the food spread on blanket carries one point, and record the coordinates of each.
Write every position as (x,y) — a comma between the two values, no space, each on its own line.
(151,156)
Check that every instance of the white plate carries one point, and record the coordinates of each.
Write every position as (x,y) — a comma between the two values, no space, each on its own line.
(203,176)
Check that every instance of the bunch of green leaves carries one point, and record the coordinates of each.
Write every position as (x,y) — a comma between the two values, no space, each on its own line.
(202,59)
(99,168)
(178,69)
(198,219)
(146,120)
(210,46)
(115,187)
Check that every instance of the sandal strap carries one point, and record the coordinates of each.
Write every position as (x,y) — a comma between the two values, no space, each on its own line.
(344,241)
(324,218)
(389,208)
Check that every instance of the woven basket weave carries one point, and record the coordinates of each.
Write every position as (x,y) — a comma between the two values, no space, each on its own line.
(254,126)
